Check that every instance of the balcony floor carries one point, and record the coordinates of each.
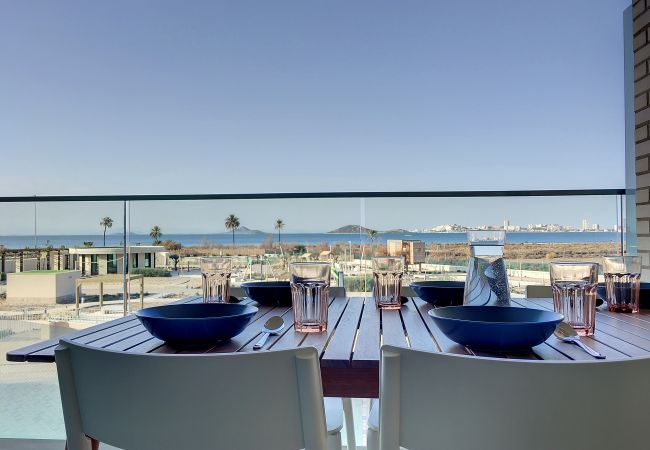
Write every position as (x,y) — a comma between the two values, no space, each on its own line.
(53,444)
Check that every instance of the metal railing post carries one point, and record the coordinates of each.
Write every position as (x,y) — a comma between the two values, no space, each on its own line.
(125,287)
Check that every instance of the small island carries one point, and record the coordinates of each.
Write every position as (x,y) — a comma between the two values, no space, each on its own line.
(351,229)
(244,230)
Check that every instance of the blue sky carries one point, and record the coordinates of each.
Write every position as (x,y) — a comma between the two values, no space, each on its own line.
(258,96)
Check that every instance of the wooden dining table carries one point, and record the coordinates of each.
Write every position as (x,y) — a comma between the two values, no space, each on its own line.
(350,347)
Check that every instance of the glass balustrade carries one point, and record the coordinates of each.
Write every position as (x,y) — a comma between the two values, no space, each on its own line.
(69,264)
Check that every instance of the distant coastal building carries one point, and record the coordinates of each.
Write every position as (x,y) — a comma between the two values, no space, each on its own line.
(412,251)
(508,227)
(109,260)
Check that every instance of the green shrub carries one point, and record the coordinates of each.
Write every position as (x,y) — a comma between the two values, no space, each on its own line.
(355,283)
(151,272)
(3,276)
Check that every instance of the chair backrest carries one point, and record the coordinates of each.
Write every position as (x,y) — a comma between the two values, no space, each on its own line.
(337,291)
(451,402)
(407,291)
(237,291)
(265,400)
(533,291)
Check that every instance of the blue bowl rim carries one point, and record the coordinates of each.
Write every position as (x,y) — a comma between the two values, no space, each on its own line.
(558,317)
(248,309)
(268,284)
(418,284)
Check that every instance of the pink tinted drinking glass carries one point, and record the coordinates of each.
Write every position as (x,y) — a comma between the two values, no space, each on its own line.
(622,283)
(310,291)
(574,286)
(387,278)
(215,279)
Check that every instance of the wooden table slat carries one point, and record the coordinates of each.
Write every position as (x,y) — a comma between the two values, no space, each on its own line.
(602,341)
(292,339)
(252,331)
(130,342)
(109,332)
(320,340)
(571,350)
(546,352)
(609,318)
(392,330)
(444,343)
(117,337)
(366,348)
(419,337)
(22,354)
(624,326)
(147,346)
(287,317)
(339,348)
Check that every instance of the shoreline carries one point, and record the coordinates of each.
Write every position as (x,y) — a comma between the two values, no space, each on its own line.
(252,240)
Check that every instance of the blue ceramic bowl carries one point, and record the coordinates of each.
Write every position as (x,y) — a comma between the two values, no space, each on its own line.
(196,324)
(496,328)
(440,293)
(268,293)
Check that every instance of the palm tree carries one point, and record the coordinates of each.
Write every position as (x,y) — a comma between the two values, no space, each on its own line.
(372,234)
(155,234)
(107,223)
(279,224)
(232,223)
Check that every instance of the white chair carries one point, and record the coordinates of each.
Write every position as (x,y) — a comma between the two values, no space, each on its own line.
(534,291)
(266,400)
(443,402)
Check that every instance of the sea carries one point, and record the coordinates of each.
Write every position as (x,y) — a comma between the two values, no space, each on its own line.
(189,240)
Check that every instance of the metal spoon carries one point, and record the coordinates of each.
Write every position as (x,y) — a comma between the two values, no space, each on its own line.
(274,325)
(566,333)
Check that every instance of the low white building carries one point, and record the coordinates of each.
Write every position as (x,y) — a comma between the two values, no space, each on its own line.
(41,287)
(109,260)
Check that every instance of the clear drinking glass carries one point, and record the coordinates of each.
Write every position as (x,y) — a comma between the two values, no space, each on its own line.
(387,275)
(215,279)
(622,283)
(486,282)
(310,292)
(574,286)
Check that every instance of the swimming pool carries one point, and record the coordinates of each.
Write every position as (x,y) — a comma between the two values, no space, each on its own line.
(30,405)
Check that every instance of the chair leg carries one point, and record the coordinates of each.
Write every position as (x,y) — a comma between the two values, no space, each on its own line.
(94,444)
(334,441)
(373,440)
(349,423)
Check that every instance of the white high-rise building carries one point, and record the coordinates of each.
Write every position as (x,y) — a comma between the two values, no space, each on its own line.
(584,225)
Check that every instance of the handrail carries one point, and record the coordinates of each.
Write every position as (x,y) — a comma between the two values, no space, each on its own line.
(308,195)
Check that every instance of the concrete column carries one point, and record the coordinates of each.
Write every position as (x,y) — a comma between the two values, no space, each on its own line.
(641,46)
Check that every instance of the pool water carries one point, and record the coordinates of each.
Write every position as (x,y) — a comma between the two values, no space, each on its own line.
(30,406)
